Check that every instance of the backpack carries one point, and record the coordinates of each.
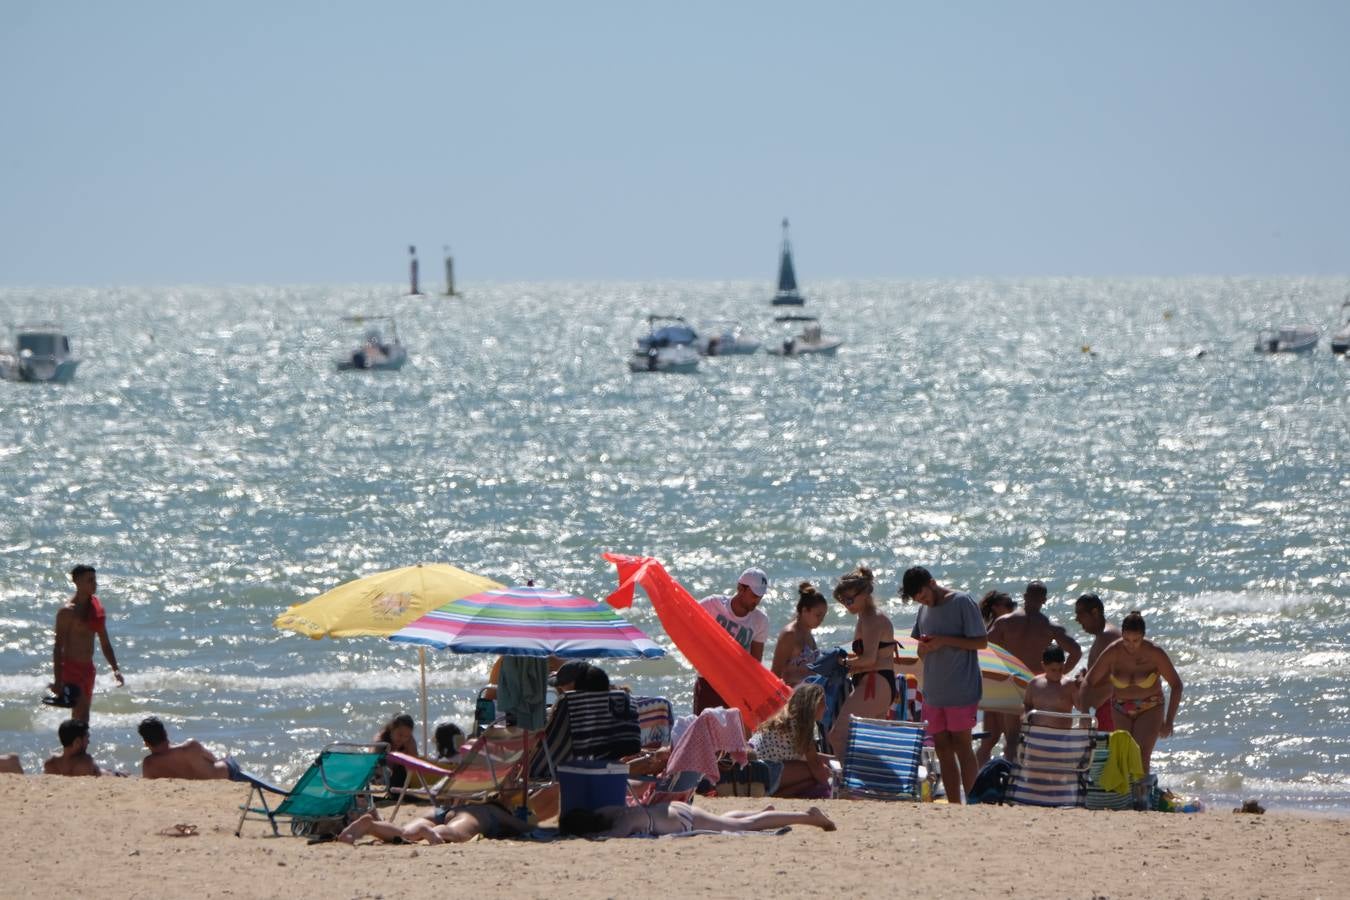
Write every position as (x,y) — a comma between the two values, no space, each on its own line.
(992,782)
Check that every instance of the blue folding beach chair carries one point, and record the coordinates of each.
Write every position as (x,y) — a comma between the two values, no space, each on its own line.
(335,783)
(881,761)
(1053,762)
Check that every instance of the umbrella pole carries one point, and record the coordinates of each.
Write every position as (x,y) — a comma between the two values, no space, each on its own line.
(422,658)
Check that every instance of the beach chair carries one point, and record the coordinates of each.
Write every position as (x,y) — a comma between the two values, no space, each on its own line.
(338,781)
(881,761)
(489,765)
(656,718)
(1053,762)
(1142,789)
(594,725)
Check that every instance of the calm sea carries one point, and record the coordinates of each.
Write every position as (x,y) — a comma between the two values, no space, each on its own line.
(214,466)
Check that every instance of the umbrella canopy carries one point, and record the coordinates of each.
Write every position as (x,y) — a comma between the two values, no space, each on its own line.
(529,621)
(1003,675)
(382,603)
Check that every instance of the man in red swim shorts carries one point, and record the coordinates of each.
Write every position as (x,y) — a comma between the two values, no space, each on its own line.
(77,624)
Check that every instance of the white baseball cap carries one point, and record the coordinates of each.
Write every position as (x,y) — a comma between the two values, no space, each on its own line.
(755,580)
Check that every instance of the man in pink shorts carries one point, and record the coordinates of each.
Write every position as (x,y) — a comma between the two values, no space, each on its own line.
(950,632)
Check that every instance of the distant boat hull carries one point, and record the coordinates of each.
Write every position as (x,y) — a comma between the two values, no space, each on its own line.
(39,371)
(798,347)
(1340,342)
(677,359)
(359,362)
(1287,340)
(788,299)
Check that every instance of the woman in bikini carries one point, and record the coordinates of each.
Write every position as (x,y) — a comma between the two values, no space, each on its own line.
(871,665)
(796,648)
(1128,671)
(680,818)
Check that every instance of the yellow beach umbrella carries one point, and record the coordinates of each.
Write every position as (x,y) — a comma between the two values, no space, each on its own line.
(380,604)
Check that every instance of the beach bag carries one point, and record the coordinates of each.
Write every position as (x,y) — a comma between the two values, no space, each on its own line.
(992,782)
(754,779)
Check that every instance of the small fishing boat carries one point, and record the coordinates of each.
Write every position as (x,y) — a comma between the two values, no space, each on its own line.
(668,346)
(41,354)
(1287,339)
(808,341)
(1340,341)
(787,276)
(375,354)
(724,338)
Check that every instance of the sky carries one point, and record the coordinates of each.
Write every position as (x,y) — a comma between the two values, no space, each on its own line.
(310,143)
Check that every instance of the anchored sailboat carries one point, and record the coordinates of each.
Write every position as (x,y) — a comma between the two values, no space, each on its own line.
(787,278)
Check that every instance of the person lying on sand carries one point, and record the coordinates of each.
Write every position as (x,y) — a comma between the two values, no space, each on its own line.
(189,760)
(680,818)
(74,758)
(457,824)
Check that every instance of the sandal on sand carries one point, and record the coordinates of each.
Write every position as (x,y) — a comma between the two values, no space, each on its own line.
(180,830)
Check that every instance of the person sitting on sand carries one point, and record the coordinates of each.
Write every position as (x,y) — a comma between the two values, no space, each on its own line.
(398,733)
(789,738)
(1128,671)
(796,648)
(457,824)
(680,818)
(74,758)
(448,737)
(10,765)
(1049,692)
(189,760)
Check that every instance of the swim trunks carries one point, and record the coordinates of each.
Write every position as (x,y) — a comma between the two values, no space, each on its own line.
(80,674)
(949,718)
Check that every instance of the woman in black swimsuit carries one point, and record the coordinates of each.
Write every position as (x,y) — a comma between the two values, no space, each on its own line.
(871,665)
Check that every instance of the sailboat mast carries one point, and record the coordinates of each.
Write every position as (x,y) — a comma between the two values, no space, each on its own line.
(412,271)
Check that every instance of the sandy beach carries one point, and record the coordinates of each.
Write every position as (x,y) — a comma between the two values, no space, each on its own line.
(105,833)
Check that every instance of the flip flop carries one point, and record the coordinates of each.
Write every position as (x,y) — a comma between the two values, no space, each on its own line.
(180,830)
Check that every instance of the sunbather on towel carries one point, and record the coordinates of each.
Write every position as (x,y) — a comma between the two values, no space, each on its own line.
(189,760)
(680,818)
(444,825)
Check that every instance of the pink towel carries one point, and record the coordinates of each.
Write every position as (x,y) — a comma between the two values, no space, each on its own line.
(712,734)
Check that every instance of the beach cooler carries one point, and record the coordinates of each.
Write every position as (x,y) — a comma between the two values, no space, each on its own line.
(591,784)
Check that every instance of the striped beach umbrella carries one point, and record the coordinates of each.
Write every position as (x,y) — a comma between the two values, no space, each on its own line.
(1005,680)
(529,621)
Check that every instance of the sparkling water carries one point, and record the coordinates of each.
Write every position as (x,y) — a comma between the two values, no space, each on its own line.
(1118,436)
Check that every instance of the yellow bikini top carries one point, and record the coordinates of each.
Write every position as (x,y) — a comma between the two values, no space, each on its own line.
(1147,681)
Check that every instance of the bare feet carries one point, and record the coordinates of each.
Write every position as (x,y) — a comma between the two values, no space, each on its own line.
(819,819)
(357,830)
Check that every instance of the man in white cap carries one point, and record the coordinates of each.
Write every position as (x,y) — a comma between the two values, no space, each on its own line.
(741,618)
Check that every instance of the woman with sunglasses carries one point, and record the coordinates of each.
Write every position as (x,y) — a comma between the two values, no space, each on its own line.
(871,665)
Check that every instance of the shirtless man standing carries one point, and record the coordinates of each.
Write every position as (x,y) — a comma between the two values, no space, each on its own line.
(1025,633)
(188,760)
(74,758)
(77,623)
(1091,615)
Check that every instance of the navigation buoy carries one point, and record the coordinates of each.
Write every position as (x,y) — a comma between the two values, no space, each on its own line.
(412,272)
(449,273)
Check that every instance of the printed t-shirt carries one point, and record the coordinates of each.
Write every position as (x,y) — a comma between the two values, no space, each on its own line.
(750,629)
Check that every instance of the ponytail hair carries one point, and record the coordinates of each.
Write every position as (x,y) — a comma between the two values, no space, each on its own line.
(1133,622)
(808,597)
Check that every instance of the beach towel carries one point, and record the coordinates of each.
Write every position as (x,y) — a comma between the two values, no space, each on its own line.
(1123,763)
(737,676)
(832,675)
(712,734)
(522,690)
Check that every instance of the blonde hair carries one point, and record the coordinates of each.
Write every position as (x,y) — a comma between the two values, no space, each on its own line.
(798,718)
(860,579)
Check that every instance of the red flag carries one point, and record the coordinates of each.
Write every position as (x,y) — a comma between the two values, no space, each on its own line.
(738,677)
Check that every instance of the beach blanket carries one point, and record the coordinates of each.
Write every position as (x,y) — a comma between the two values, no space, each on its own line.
(739,678)
(775,832)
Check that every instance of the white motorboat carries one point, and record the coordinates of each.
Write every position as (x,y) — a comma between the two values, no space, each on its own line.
(787,294)
(1287,339)
(375,354)
(1340,341)
(668,346)
(808,341)
(41,354)
(724,338)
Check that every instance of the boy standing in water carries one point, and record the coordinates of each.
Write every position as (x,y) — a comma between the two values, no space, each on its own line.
(77,623)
